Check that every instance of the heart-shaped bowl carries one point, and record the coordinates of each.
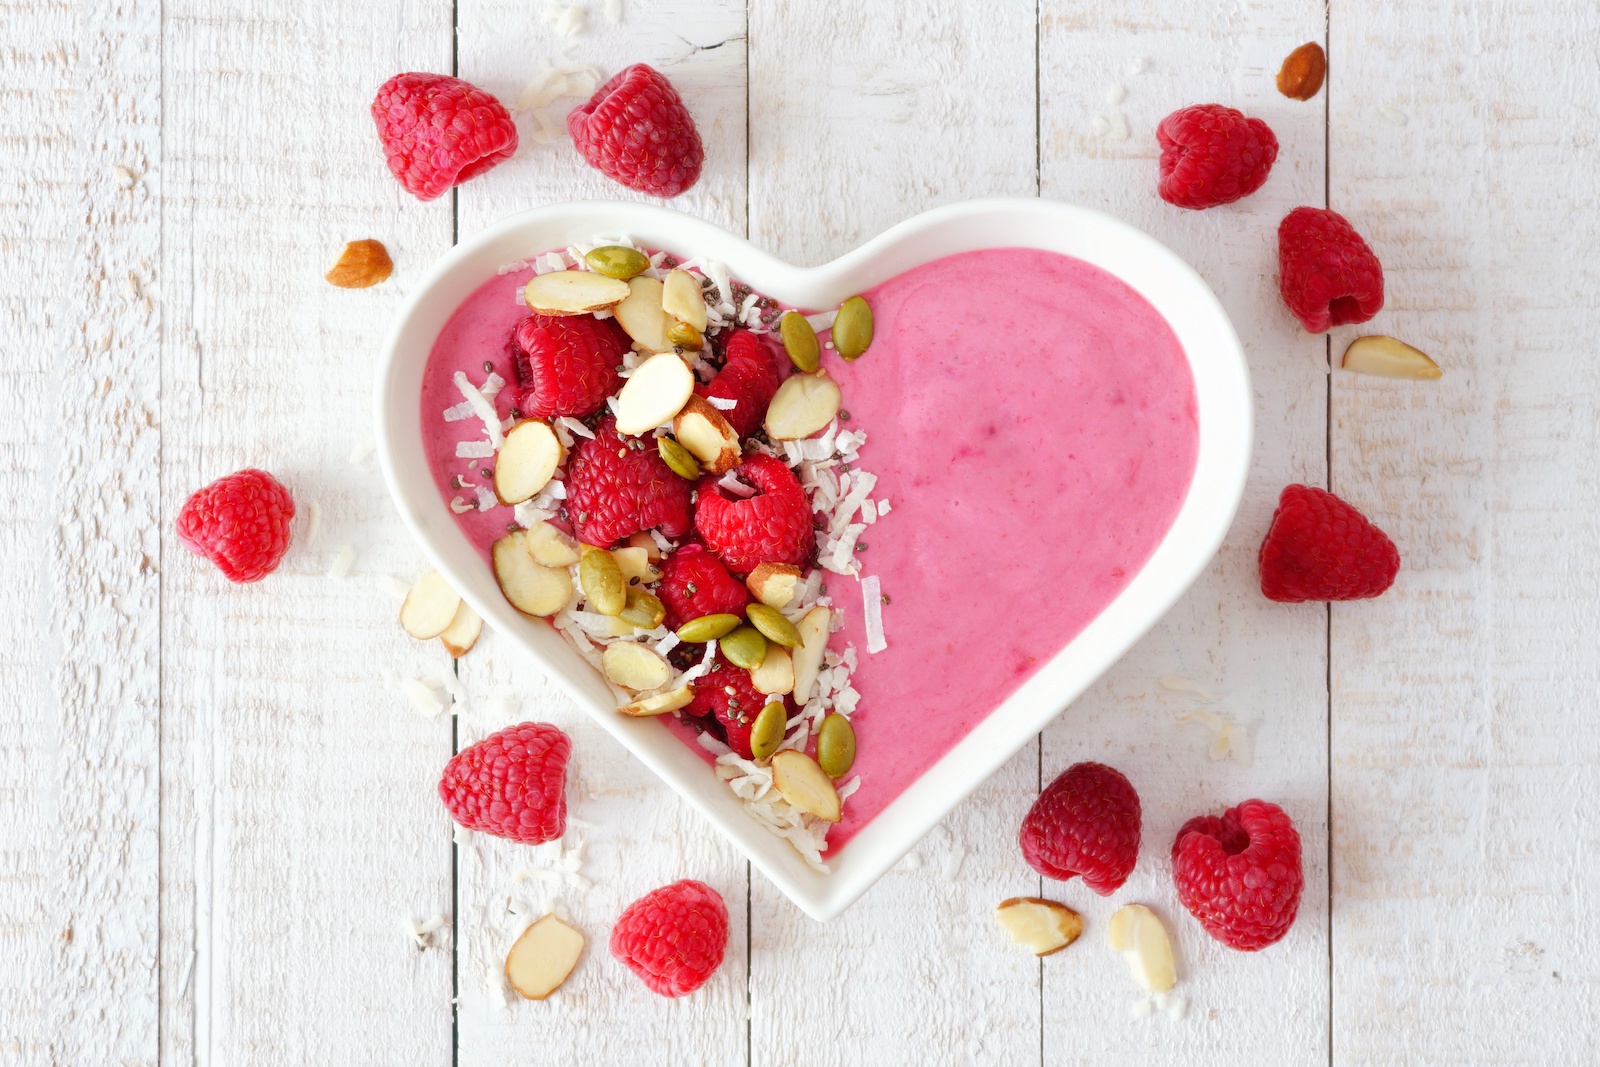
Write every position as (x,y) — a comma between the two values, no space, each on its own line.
(1223,403)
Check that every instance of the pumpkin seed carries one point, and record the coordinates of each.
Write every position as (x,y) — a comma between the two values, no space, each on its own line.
(852,328)
(745,647)
(680,459)
(800,341)
(617,261)
(766,733)
(685,336)
(643,609)
(836,745)
(707,628)
(773,626)
(603,584)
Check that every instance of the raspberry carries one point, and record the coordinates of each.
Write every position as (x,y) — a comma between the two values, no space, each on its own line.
(1326,273)
(673,937)
(240,523)
(695,583)
(1213,155)
(617,486)
(1240,874)
(774,526)
(736,711)
(568,364)
(636,130)
(750,377)
(438,131)
(1320,548)
(511,784)
(1085,823)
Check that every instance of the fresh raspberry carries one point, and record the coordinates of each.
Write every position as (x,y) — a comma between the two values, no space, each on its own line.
(618,485)
(749,377)
(1085,823)
(1213,155)
(695,583)
(438,131)
(1326,273)
(735,711)
(511,784)
(1240,874)
(636,130)
(567,364)
(674,937)
(240,523)
(1320,548)
(774,526)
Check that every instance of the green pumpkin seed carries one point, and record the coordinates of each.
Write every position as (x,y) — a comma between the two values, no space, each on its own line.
(773,626)
(685,336)
(680,459)
(852,329)
(706,628)
(836,746)
(617,261)
(643,609)
(745,647)
(604,587)
(766,733)
(800,341)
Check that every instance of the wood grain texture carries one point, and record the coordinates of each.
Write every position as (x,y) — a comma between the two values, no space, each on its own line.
(1466,753)
(1268,660)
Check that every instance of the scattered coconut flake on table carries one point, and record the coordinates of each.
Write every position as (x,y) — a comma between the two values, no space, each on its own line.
(1227,739)
(420,929)
(1138,66)
(1394,116)
(494,986)
(313,522)
(1101,125)
(1119,126)
(398,588)
(426,700)
(872,608)
(1142,1008)
(1176,1005)
(1183,685)
(1115,94)
(341,563)
(362,451)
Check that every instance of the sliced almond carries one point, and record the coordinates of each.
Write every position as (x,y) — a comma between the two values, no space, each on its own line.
(552,546)
(702,429)
(656,392)
(643,540)
(530,586)
(1042,925)
(542,958)
(805,785)
(462,633)
(429,608)
(680,298)
(641,316)
(527,461)
(635,565)
(573,292)
(361,264)
(1389,358)
(660,703)
(774,584)
(775,676)
(634,666)
(803,404)
(808,657)
(1137,933)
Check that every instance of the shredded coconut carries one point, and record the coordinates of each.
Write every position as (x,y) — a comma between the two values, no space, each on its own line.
(458,504)
(484,408)
(426,700)
(722,403)
(872,613)
(362,452)
(474,449)
(575,427)
(341,563)
(1184,685)
(486,498)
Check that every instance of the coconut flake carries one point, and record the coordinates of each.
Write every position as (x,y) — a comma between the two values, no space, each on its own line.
(703,667)
(486,498)
(717,271)
(341,563)
(883,507)
(425,699)
(712,745)
(1184,685)
(362,451)
(474,449)
(456,413)
(667,644)
(872,613)
(460,506)
(730,484)
(722,403)
(575,427)
(484,410)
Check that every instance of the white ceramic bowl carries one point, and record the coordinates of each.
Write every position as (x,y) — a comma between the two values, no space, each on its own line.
(1172,287)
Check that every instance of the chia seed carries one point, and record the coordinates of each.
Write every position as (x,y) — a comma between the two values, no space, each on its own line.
(689,588)
(844,416)
(488,367)
(861,546)
(884,598)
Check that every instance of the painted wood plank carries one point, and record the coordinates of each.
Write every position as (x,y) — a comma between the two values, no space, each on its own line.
(1466,756)
(634,832)
(300,826)
(1269,661)
(863,114)
(79,874)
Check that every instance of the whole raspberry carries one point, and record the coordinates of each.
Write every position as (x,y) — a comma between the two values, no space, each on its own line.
(736,711)
(695,583)
(567,364)
(1326,273)
(438,131)
(511,784)
(773,526)
(617,486)
(749,377)
(240,523)
(674,937)
(1320,548)
(1240,874)
(1085,823)
(1213,155)
(636,130)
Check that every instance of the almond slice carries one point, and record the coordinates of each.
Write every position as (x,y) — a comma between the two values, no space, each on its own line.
(641,316)
(704,431)
(429,608)
(634,666)
(1137,933)
(462,633)
(1389,358)
(1042,925)
(805,785)
(803,404)
(527,461)
(808,657)
(774,584)
(680,298)
(530,586)
(360,265)
(643,540)
(552,546)
(573,292)
(660,703)
(656,392)
(775,675)
(543,957)
(634,562)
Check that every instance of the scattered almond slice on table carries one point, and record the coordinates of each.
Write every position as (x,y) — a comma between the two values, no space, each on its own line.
(462,633)
(543,957)
(1042,925)
(1137,933)
(1387,357)
(430,607)
(361,264)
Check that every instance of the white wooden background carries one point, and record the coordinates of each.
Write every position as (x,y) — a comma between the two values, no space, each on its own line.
(217,810)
